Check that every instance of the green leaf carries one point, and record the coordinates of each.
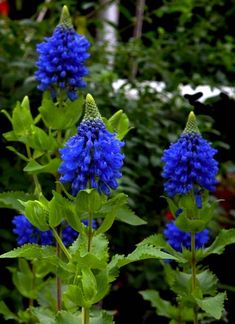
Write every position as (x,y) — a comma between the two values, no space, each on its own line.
(99,250)
(120,124)
(30,252)
(11,136)
(89,201)
(101,317)
(38,139)
(89,286)
(142,252)
(37,214)
(224,238)
(64,317)
(109,211)
(24,280)
(58,209)
(208,282)
(103,286)
(60,117)
(126,215)
(10,199)
(163,307)
(173,208)
(158,241)
(189,225)
(44,315)
(74,295)
(22,119)
(34,167)
(12,149)
(6,312)
(213,306)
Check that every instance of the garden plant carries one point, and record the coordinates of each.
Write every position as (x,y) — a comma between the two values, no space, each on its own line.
(65,264)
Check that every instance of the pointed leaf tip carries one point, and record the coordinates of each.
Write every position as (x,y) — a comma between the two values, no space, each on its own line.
(65,19)
(91,109)
(191,126)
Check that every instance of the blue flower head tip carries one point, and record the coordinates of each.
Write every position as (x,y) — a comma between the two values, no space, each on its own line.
(91,109)
(191,126)
(65,19)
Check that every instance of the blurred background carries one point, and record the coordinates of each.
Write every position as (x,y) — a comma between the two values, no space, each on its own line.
(156,60)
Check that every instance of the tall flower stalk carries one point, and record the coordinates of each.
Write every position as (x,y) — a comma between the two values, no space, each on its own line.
(189,170)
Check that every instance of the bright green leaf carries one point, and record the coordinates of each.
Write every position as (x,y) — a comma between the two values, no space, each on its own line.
(10,199)
(34,167)
(213,306)
(37,214)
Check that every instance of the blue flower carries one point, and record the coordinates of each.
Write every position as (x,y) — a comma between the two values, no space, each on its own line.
(27,233)
(179,239)
(189,164)
(61,59)
(92,158)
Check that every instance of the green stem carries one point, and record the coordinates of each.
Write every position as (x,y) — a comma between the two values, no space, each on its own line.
(193,263)
(58,280)
(85,311)
(38,188)
(60,243)
(85,315)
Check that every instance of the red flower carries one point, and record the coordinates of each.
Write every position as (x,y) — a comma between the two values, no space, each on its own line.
(169,215)
(4,8)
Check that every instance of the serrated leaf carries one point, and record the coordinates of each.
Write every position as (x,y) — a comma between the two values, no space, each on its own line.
(44,315)
(159,242)
(224,238)
(142,252)
(30,252)
(99,247)
(10,199)
(103,317)
(213,306)
(126,215)
(34,167)
(64,317)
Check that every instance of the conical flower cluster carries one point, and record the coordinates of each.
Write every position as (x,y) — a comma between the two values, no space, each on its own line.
(189,163)
(61,59)
(92,158)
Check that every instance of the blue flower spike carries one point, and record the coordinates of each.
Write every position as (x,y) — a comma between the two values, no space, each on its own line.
(92,158)
(190,164)
(178,239)
(61,60)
